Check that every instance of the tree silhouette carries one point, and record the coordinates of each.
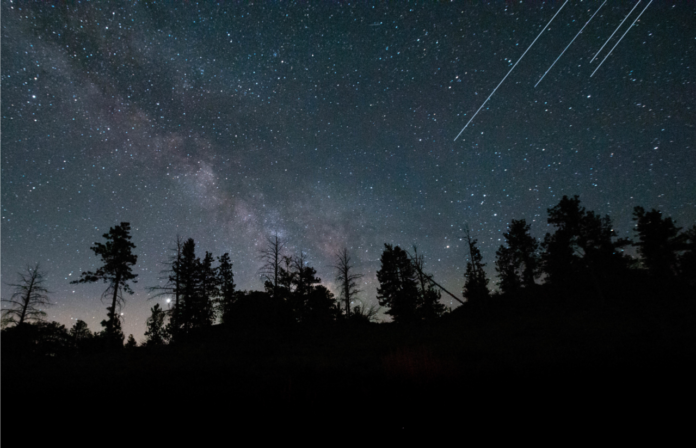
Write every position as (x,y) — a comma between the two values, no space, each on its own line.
(517,263)
(117,258)
(658,243)
(225,279)
(286,279)
(272,257)
(156,333)
(112,335)
(204,305)
(476,283)
(559,258)
(172,287)
(310,301)
(183,315)
(320,306)
(80,331)
(82,336)
(428,306)
(398,289)
(30,295)
(687,261)
(346,279)
(38,338)
(364,314)
(582,248)
(131,343)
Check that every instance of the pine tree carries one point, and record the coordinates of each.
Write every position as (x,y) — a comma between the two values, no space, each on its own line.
(310,301)
(117,258)
(559,258)
(398,289)
(658,243)
(131,343)
(112,335)
(204,314)
(226,283)
(584,248)
(518,263)
(80,330)
(156,333)
(320,306)
(183,315)
(30,295)
(476,283)
(81,335)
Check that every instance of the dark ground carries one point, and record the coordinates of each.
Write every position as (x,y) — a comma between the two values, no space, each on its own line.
(543,363)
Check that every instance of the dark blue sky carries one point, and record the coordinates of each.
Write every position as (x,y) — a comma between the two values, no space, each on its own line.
(331,124)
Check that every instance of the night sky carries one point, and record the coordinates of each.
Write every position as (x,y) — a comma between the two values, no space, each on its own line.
(330,123)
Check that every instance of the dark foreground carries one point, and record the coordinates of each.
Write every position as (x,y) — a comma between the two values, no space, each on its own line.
(542,363)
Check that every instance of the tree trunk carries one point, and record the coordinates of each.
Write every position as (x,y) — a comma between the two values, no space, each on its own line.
(113,304)
(346,292)
(27,298)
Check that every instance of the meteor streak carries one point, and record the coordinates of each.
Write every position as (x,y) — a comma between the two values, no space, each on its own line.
(629,29)
(508,73)
(617,29)
(571,43)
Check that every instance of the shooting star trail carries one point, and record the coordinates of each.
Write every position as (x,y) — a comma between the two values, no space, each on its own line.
(513,67)
(617,29)
(571,43)
(629,29)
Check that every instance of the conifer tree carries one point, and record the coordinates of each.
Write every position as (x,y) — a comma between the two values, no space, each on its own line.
(81,335)
(30,295)
(517,263)
(584,248)
(117,258)
(156,333)
(307,302)
(204,314)
(659,243)
(187,272)
(225,278)
(80,331)
(131,343)
(398,289)
(476,283)
(112,335)
(320,306)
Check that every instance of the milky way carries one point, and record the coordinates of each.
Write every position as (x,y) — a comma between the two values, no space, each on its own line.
(330,124)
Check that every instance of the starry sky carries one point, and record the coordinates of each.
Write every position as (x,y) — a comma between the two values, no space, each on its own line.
(332,124)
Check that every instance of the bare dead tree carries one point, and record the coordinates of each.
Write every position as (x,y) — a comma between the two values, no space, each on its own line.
(417,261)
(367,313)
(272,257)
(171,276)
(30,295)
(346,278)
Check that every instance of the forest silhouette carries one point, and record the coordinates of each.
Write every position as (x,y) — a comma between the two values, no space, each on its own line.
(573,314)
